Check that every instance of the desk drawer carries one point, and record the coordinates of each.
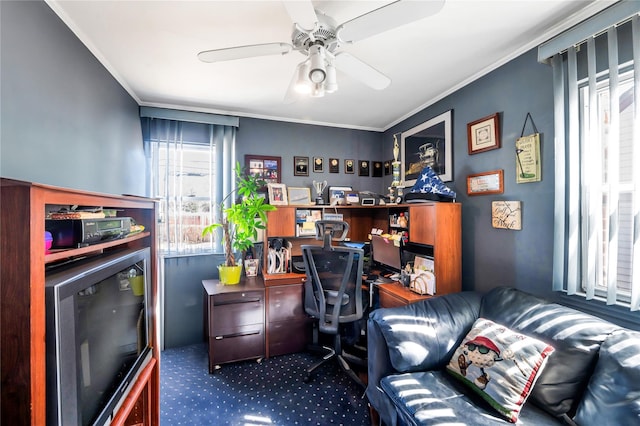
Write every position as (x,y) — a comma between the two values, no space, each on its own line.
(289,336)
(242,343)
(285,303)
(231,311)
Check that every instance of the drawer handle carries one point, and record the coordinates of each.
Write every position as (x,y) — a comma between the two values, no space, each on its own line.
(232,302)
(248,333)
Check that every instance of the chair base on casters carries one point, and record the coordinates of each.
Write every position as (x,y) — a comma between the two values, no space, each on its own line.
(341,357)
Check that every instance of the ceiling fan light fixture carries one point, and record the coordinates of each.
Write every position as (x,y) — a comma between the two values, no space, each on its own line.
(331,84)
(317,67)
(303,85)
(317,91)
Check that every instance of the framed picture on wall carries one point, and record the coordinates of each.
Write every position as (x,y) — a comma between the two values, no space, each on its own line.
(484,134)
(428,144)
(318,164)
(265,167)
(334,165)
(349,166)
(363,168)
(301,166)
(377,169)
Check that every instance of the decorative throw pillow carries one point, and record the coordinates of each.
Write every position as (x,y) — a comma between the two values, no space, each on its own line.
(500,365)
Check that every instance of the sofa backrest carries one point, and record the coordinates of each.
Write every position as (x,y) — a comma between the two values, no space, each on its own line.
(576,337)
(615,383)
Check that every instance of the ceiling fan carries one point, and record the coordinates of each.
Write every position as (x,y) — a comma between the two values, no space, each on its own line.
(318,37)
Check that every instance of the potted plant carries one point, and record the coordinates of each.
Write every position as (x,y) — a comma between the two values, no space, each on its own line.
(240,222)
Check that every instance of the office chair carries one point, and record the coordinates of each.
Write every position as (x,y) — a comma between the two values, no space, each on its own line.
(333,291)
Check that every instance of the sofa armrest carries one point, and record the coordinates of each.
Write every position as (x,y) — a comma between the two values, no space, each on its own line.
(417,337)
(422,336)
(378,367)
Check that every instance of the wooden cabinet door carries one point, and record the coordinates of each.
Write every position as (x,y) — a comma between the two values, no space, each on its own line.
(422,224)
(281,222)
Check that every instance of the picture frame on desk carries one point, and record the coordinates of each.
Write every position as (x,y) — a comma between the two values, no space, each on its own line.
(277,194)
(299,196)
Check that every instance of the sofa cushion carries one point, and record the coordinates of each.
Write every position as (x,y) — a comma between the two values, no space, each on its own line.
(615,383)
(435,398)
(575,336)
(423,335)
(499,365)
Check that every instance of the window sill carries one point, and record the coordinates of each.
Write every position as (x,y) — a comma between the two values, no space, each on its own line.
(617,314)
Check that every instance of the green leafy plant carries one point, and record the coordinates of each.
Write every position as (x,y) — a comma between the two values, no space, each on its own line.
(241,221)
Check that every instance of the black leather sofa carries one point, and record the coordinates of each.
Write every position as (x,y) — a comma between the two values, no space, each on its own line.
(592,377)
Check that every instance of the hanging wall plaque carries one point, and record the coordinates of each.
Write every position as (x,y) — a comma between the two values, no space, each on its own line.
(528,167)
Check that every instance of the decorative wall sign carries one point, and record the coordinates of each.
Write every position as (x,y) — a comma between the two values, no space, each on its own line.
(377,169)
(486,183)
(506,215)
(364,168)
(484,134)
(301,166)
(528,167)
(349,166)
(318,163)
(334,165)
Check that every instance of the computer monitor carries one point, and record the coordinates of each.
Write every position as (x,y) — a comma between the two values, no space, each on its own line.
(386,254)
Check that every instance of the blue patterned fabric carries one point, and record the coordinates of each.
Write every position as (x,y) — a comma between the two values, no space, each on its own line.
(429,183)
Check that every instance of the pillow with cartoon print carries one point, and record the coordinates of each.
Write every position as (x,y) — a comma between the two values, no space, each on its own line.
(500,365)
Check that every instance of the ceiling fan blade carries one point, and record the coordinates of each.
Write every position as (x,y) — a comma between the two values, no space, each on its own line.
(359,70)
(302,13)
(386,18)
(241,52)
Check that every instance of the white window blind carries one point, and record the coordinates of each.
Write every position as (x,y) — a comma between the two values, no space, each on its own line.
(190,168)
(597,167)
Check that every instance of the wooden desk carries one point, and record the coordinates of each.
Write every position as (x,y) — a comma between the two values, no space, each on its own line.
(395,294)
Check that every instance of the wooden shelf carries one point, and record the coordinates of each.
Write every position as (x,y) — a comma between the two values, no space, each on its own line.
(62,254)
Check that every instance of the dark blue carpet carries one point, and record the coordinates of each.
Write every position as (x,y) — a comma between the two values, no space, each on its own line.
(249,393)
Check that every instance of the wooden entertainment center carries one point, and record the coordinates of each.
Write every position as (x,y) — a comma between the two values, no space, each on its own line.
(22,288)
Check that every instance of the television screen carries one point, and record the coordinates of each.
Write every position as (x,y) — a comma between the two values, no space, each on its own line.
(97,335)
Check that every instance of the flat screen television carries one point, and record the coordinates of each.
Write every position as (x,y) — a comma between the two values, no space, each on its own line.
(98,329)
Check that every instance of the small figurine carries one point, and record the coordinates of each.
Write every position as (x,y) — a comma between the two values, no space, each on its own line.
(402,221)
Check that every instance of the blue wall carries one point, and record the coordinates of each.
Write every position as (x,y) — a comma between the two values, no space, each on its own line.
(493,257)
(65,120)
(265,137)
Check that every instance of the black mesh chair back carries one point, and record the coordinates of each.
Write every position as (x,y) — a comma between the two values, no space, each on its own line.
(333,290)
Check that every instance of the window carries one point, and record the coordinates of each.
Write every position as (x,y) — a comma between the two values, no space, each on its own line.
(187,162)
(606,180)
(597,134)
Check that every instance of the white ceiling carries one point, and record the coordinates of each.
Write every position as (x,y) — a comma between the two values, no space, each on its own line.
(150,47)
